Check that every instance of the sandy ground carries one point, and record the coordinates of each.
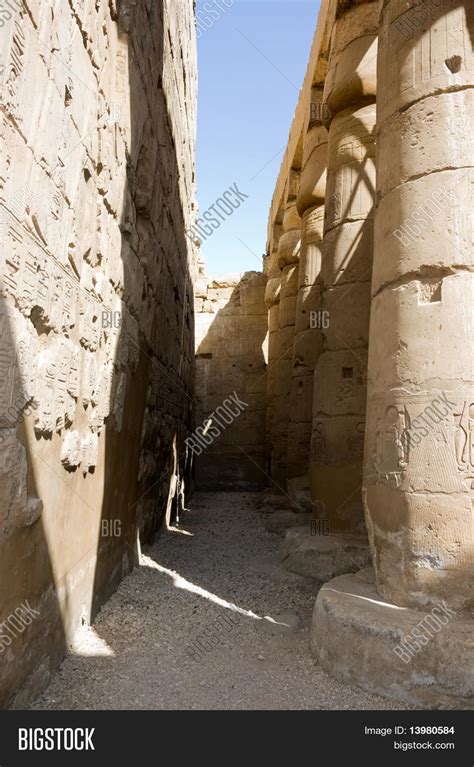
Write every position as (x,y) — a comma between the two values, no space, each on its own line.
(218,573)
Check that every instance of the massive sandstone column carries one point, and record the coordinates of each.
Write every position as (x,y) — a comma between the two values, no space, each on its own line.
(419,459)
(340,375)
(288,255)
(308,337)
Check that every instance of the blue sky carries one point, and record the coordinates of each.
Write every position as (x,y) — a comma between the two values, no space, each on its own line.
(244,116)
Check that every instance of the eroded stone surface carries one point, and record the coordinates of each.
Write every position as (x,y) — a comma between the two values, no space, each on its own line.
(96,337)
(279,521)
(369,628)
(231,329)
(419,471)
(308,338)
(340,374)
(287,260)
(408,266)
(309,551)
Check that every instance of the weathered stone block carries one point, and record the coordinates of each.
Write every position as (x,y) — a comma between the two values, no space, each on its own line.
(323,556)
(373,635)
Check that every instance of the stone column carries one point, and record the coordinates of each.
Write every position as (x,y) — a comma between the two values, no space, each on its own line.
(272,302)
(308,337)
(419,458)
(407,635)
(340,375)
(288,256)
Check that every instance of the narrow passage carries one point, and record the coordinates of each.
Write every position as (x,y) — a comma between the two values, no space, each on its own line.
(213,574)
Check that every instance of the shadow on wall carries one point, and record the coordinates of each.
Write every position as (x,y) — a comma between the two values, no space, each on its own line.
(158,406)
(32,638)
(97,336)
(231,329)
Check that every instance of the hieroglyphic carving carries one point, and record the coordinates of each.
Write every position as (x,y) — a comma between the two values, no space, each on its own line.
(7,368)
(89,322)
(393,443)
(17,508)
(355,440)
(12,80)
(424,52)
(464,444)
(101,396)
(88,378)
(49,297)
(27,351)
(17,366)
(395,440)
(319,449)
(39,286)
(71,450)
(119,400)
(89,451)
(353,193)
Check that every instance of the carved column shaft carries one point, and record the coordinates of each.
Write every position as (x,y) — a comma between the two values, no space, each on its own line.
(308,337)
(419,460)
(288,256)
(272,301)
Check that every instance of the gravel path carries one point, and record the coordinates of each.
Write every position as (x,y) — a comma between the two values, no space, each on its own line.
(141,653)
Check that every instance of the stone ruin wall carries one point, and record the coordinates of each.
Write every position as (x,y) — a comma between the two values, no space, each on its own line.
(97,339)
(231,359)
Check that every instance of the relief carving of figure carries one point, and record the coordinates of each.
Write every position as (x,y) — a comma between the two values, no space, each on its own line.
(394,449)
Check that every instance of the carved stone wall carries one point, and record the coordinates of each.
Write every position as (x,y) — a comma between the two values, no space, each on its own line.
(96,304)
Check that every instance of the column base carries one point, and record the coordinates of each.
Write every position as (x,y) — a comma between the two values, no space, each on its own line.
(309,551)
(368,628)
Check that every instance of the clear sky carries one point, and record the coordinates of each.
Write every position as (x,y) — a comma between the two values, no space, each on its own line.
(252,61)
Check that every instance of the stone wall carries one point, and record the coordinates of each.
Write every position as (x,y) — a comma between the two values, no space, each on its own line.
(231,330)
(96,313)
